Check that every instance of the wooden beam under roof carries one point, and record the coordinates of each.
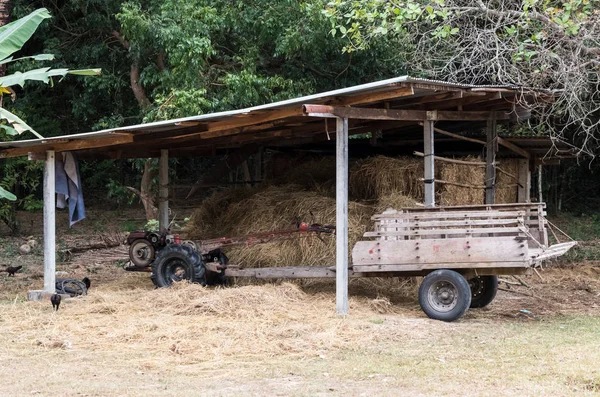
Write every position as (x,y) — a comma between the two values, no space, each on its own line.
(372,97)
(394,114)
(66,145)
(513,147)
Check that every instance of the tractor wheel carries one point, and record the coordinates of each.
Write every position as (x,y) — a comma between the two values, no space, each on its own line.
(483,290)
(444,295)
(141,253)
(177,263)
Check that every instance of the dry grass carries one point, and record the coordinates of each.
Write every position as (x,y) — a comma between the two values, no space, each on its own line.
(506,191)
(378,176)
(129,339)
(276,208)
(464,174)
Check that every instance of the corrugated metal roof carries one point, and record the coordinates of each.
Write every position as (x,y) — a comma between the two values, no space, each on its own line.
(166,124)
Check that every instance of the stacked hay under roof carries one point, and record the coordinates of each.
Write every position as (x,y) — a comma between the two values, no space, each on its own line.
(466,182)
(507,178)
(306,191)
(276,208)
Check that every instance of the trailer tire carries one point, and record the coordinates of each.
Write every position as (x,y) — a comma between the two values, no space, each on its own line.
(444,295)
(176,263)
(483,290)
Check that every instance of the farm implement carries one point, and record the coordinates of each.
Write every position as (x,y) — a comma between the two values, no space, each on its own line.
(460,251)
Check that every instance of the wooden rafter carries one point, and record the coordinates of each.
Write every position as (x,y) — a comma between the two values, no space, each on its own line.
(394,114)
(66,145)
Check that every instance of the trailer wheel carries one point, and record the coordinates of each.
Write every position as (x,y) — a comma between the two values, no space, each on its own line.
(444,295)
(483,290)
(177,263)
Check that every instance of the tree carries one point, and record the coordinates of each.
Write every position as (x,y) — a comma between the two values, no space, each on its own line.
(551,45)
(12,38)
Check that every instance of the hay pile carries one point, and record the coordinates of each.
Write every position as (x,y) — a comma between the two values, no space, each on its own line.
(471,175)
(275,208)
(379,176)
(506,185)
(307,191)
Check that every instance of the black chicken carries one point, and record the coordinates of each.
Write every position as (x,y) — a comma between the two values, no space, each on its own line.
(55,299)
(11,270)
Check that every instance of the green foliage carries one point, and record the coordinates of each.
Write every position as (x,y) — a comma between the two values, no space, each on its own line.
(151,225)
(22,177)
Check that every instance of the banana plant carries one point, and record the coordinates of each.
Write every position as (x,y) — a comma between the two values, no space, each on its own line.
(12,38)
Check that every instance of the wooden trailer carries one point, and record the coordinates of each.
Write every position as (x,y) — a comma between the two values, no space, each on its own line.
(460,251)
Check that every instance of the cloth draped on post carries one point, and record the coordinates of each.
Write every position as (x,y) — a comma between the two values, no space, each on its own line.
(68,186)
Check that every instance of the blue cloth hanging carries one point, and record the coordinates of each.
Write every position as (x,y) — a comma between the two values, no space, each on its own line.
(68,186)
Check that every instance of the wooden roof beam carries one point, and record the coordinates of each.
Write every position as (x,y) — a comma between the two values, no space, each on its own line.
(372,97)
(513,147)
(63,146)
(395,114)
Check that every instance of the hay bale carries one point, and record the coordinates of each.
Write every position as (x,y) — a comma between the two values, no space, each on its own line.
(275,208)
(375,177)
(316,174)
(395,201)
(506,186)
(464,174)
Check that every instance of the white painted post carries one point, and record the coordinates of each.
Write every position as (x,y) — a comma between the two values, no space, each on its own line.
(49,224)
(163,192)
(341,217)
(428,159)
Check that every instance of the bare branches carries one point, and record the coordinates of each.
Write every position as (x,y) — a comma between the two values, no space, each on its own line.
(555,47)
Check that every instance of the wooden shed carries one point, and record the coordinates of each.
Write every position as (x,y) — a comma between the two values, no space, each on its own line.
(397,111)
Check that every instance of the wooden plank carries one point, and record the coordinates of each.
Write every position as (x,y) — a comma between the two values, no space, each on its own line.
(434,266)
(282,272)
(473,207)
(374,96)
(451,214)
(490,160)
(436,251)
(68,146)
(341,217)
(394,114)
(49,223)
(464,138)
(459,222)
(429,164)
(244,123)
(453,161)
(513,147)
(443,182)
(524,188)
(453,231)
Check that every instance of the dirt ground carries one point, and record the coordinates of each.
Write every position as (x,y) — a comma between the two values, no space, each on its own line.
(128,339)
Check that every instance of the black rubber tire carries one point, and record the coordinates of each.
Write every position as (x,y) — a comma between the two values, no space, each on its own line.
(483,290)
(176,256)
(444,295)
(147,259)
(212,278)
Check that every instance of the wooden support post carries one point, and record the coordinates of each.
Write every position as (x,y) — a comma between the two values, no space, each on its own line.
(49,224)
(524,189)
(341,217)
(258,166)
(539,183)
(429,174)
(163,194)
(490,159)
